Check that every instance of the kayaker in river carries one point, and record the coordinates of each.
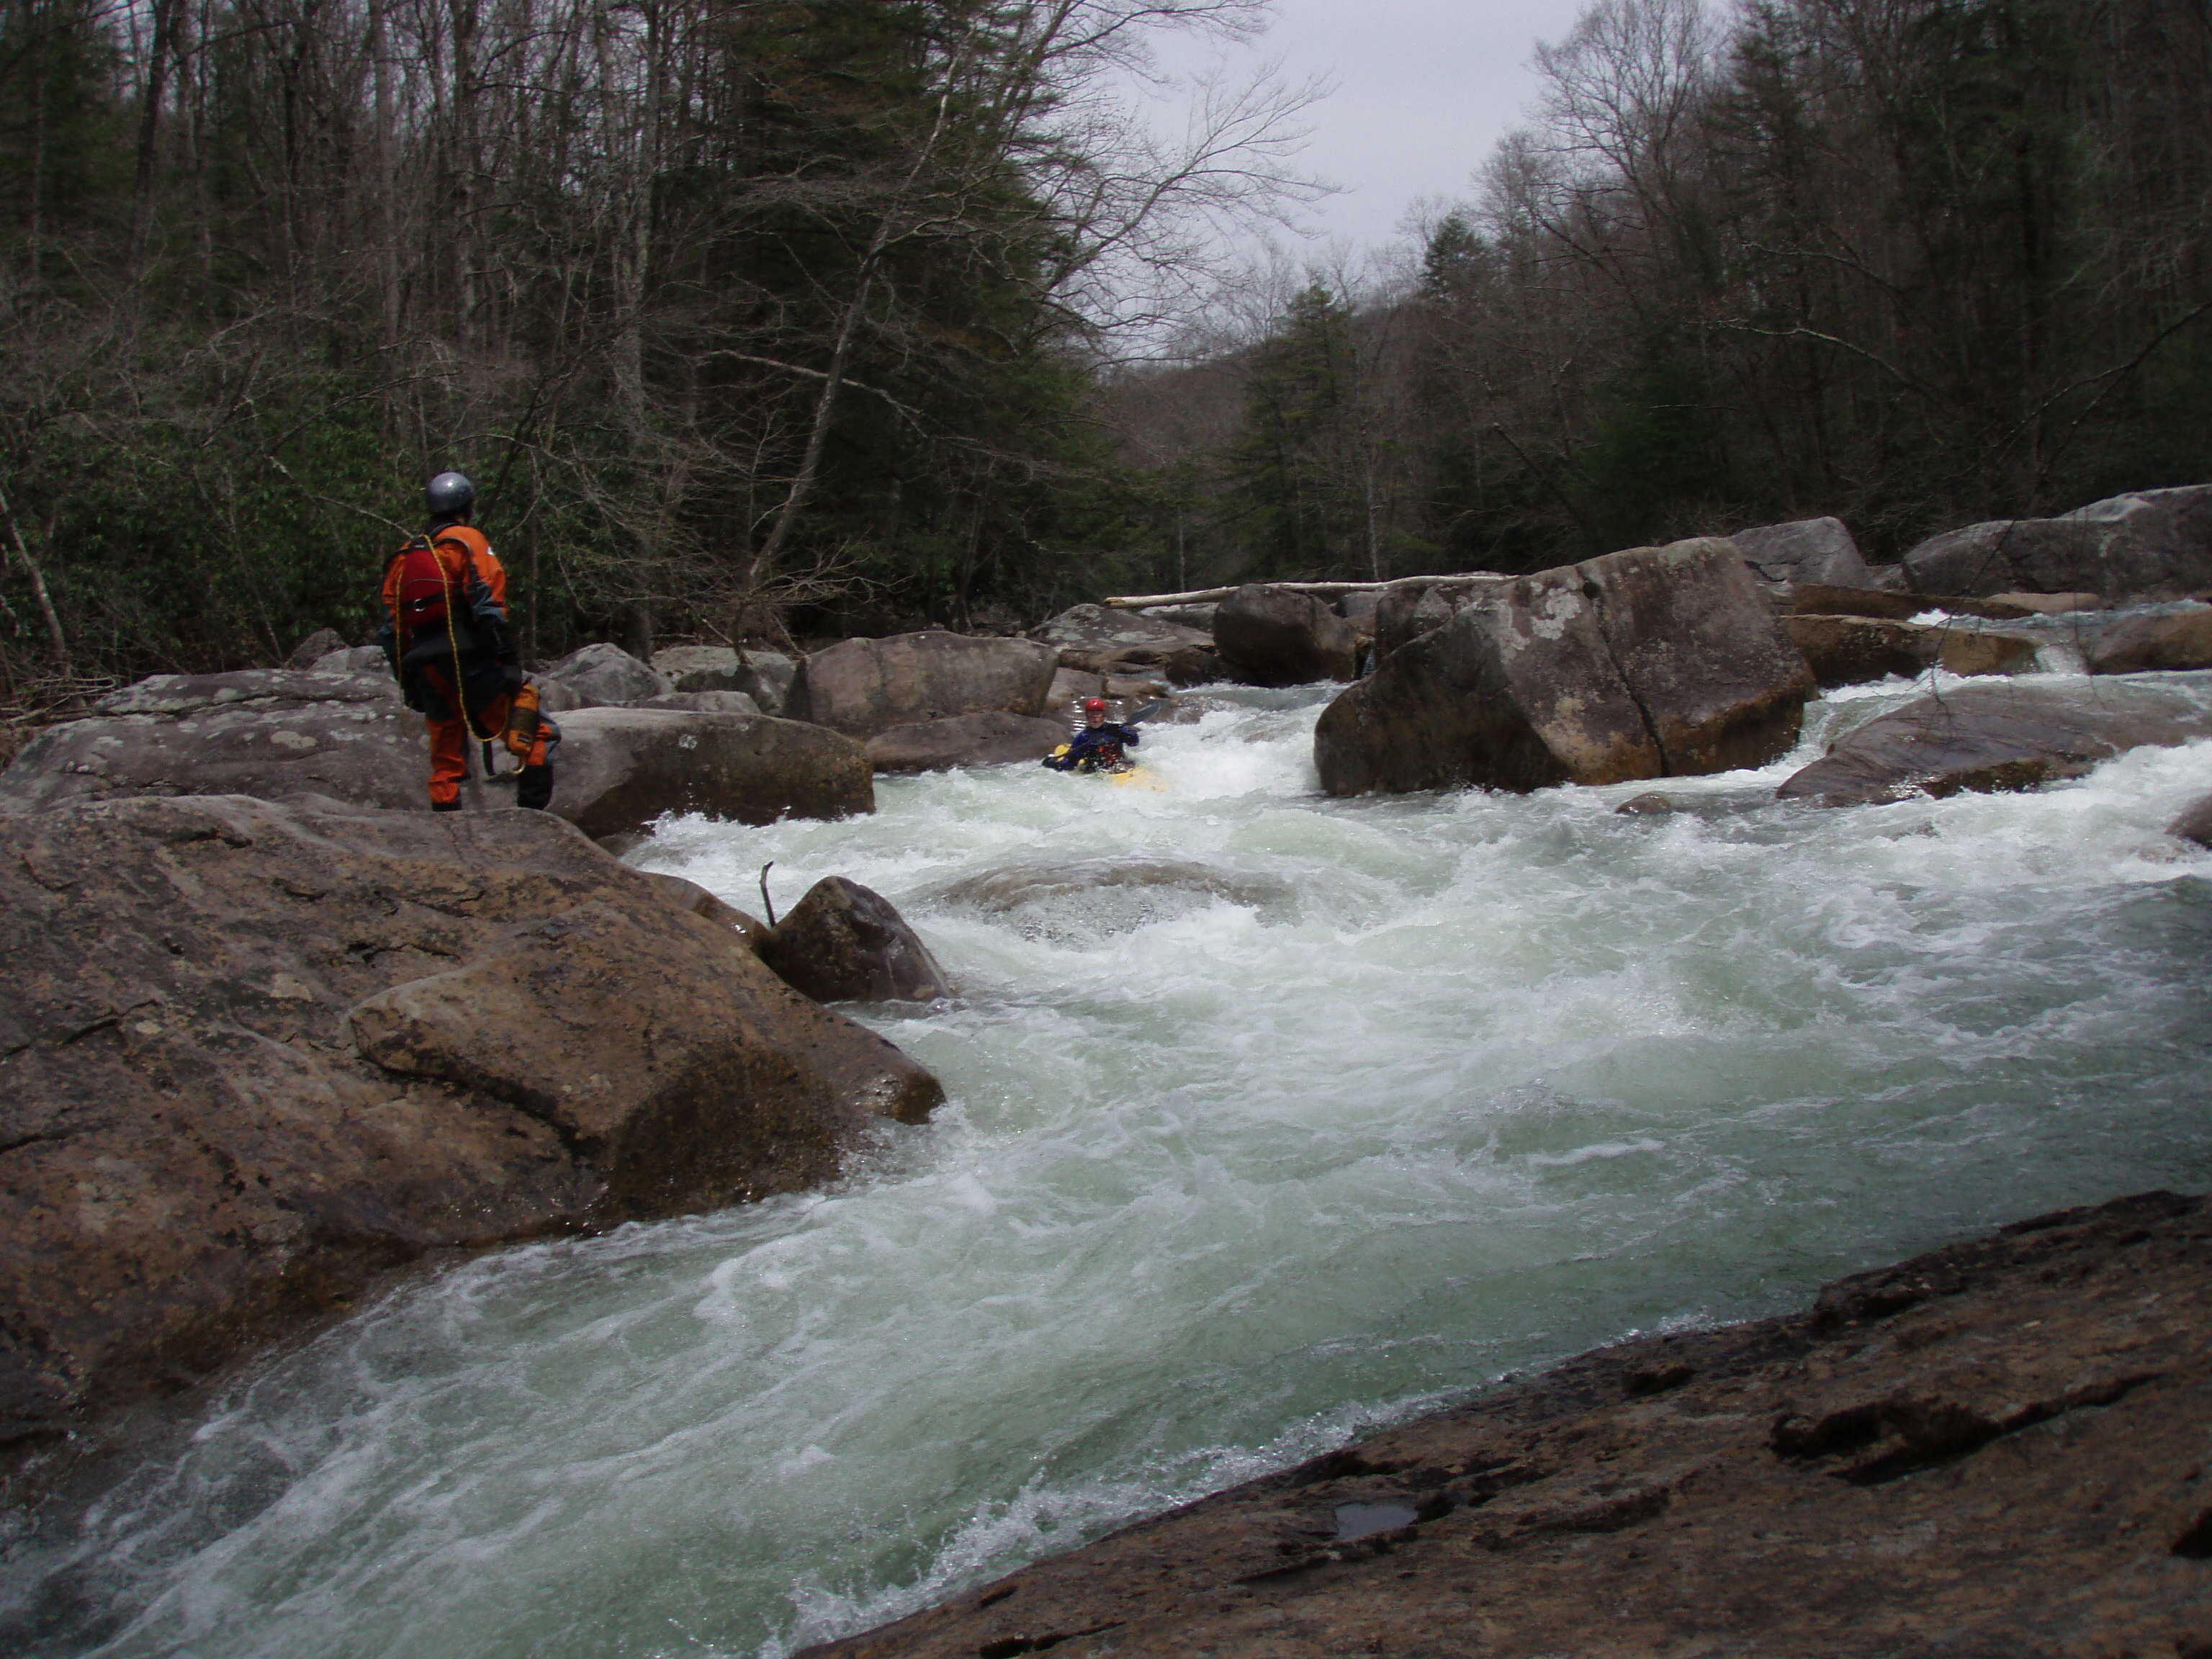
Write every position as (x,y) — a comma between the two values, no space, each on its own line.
(1098,746)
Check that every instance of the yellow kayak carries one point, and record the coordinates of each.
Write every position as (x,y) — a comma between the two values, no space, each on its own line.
(1127,775)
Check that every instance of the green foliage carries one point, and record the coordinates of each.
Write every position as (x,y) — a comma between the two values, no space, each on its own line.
(617,264)
(1655,456)
(1913,263)
(59,153)
(1291,492)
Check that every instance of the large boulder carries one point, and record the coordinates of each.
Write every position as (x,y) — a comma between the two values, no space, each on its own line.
(861,687)
(268,732)
(1805,551)
(1177,665)
(763,675)
(1131,644)
(1407,609)
(704,702)
(606,676)
(2039,555)
(355,659)
(1268,635)
(2158,542)
(1093,627)
(2154,545)
(1655,662)
(697,667)
(1851,650)
(1361,610)
(846,943)
(993,738)
(317,645)
(2181,640)
(252,1055)
(618,769)
(1072,687)
(1992,738)
(766,678)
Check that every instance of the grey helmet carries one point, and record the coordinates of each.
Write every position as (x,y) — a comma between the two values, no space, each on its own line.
(449,496)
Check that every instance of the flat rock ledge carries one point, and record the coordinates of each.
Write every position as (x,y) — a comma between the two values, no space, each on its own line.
(1999,1448)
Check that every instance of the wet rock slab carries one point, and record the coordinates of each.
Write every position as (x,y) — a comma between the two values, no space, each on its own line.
(996,737)
(1993,737)
(1852,650)
(262,732)
(1995,1449)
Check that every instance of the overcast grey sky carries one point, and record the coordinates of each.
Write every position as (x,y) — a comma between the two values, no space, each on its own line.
(1424,89)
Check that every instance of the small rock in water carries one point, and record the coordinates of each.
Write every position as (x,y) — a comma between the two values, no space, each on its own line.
(1651,803)
(1000,892)
(2195,823)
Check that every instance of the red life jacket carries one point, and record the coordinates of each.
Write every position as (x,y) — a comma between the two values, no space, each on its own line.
(427,589)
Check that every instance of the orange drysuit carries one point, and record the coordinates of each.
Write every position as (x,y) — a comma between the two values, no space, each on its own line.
(450,644)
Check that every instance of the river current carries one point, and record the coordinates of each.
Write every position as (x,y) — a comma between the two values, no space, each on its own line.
(1380,1102)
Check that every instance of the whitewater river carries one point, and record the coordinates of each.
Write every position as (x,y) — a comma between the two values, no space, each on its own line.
(1393,1097)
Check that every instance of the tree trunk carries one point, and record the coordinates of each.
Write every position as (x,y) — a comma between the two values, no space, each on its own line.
(825,407)
(38,74)
(637,631)
(150,123)
(38,578)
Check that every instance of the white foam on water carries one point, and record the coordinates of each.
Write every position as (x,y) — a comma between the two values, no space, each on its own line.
(1409,1094)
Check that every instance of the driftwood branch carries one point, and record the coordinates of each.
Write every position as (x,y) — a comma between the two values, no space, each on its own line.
(1320,589)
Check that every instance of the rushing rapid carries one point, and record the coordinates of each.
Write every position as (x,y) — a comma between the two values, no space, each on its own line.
(1270,1118)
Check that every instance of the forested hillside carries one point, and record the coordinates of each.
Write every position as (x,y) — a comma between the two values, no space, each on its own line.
(747,310)
(729,305)
(1910,262)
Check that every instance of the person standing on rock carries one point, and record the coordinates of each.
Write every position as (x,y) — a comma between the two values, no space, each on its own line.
(452,650)
(1098,747)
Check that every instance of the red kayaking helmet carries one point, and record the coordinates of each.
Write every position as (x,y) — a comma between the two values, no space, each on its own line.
(1098,704)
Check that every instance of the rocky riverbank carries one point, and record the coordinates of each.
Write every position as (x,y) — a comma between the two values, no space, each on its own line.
(1998,1448)
(252,1055)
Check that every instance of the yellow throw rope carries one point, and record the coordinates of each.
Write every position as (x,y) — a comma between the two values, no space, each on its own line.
(454,641)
